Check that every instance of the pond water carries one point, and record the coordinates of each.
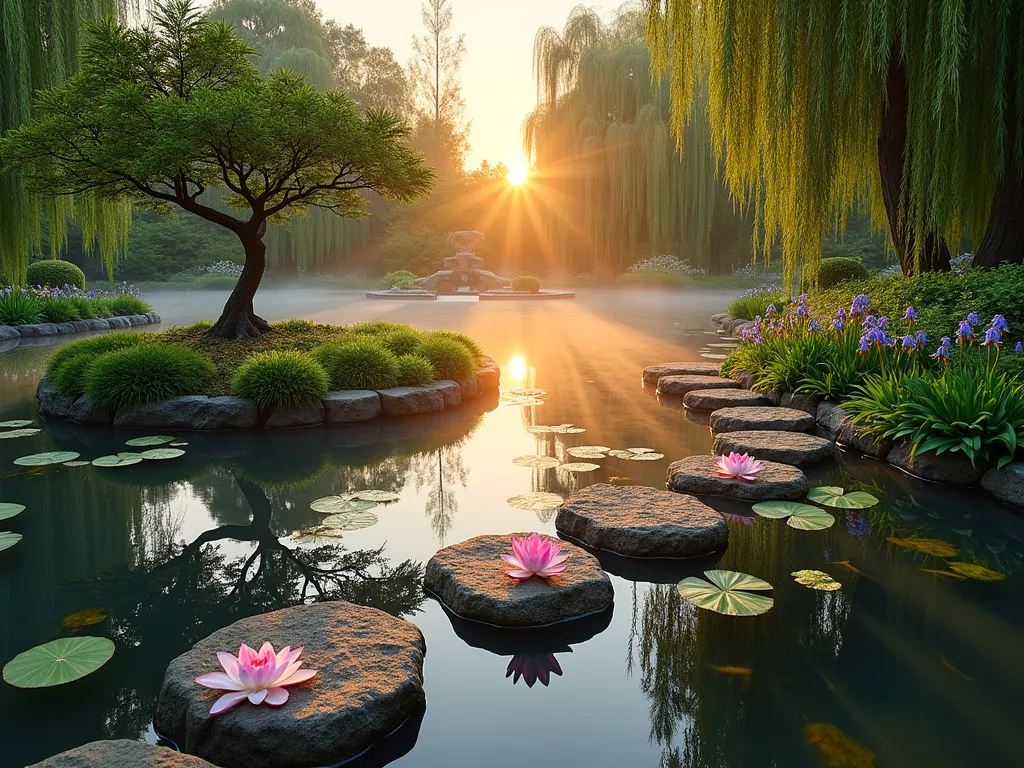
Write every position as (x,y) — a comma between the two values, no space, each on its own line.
(921,669)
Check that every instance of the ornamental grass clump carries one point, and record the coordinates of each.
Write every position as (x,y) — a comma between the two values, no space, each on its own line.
(128,305)
(462,338)
(18,307)
(83,352)
(754,302)
(58,309)
(362,363)
(449,358)
(289,379)
(147,373)
(401,341)
(414,371)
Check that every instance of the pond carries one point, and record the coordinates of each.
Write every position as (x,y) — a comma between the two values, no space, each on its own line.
(918,668)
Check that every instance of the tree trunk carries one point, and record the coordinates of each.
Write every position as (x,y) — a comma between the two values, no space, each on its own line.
(238,320)
(892,142)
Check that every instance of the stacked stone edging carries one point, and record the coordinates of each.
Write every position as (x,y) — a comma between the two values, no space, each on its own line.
(202,412)
(36,330)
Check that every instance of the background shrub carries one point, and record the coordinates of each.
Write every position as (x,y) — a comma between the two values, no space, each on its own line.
(280,378)
(449,358)
(754,302)
(54,273)
(127,305)
(401,341)
(146,373)
(18,307)
(525,284)
(57,309)
(358,364)
(655,280)
(840,268)
(414,371)
(402,279)
(92,347)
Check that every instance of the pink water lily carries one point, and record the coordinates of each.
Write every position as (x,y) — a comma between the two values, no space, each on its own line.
(534,556)
(738,467)
(259,677)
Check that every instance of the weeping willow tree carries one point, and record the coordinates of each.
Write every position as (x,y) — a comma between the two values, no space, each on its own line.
(916,104)
(600,141)
(40,40)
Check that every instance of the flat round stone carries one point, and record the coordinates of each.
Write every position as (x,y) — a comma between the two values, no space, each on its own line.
(761,418)
(469,579)
(641,522)
(680,385)
(121,753)
(653,373)
(713,399)
(796,448)
(369,681)
(696,474)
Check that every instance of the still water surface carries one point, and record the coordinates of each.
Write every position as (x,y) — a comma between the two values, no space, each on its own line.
(920,669)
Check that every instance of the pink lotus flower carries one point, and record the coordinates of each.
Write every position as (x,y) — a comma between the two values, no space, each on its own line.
(534,556)
(260,677)
(533,668)
(737,466)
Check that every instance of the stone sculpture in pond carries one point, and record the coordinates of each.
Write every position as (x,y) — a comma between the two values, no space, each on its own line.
(463,272)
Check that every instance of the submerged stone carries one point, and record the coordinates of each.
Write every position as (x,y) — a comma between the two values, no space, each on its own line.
(1006,484)
(696,474)
(406,401)
(469,579)
(713,399)
(796,448)
(642,522)
(680,385)
(282,417)
(761,418)
(653,373)
(121,754)
(369,681)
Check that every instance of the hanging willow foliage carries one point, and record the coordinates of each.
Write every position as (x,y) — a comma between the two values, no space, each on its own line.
(811,99)
(600,141)
(38,48)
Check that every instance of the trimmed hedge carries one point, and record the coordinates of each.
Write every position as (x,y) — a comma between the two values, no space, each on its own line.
(525,284)
(839,269)
(358,364)
(55,273)
(146,373)
(289,379)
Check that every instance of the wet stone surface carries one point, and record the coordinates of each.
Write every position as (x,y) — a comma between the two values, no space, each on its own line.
(696,475)
(796,448)
(713,399)
(761,418)
(121,754)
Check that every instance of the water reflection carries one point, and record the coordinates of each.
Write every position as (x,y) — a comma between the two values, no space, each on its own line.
(532,668)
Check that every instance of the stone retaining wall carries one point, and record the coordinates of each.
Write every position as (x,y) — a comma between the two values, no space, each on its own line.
(201,412)
(35,330)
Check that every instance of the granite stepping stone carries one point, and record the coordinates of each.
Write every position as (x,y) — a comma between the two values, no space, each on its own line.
(796,448)
(121,753)
(653,373)
(641,522)
(761,418)
(369,682)
(469,579)
(696,474)
(680,385)
(713,399)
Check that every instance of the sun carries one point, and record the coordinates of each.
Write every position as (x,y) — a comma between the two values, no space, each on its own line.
(518,176)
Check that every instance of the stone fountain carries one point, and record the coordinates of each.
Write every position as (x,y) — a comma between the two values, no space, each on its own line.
(463,273)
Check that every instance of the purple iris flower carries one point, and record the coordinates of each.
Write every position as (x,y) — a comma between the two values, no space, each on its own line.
(870,321)
(772,311)
(883,322)
(1019,348)
(992,338)
(922,339)
(909,342)
(813,326)
(965,331)
(861,301)
(838,324)
(941,354)
(801,310)
(910,314)
(840,314)
(946,342)
(999,323)
(864,348)
(973,319)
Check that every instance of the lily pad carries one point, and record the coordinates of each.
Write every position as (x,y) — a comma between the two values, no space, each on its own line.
(118,460)
(540,429)
(834,496)
(316,534)
(43,459)
(8,539)
(591,448)
(57,662)
(19,433)
(350,521)
(647,456)
(148,440)
(85,618)
(803,517)
(339,505)
(621,454)
(537,501)
(159,454)
(936,547)
(592,455)
(640,450)
(572,431)
(375,496)
(10,509)
(537,462)
(13,423)
(580,466)
(977,572)
(77,463)
(816,580)
(726,593)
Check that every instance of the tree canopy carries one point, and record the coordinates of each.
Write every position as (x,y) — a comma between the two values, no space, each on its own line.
(162,113)
(816,105)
